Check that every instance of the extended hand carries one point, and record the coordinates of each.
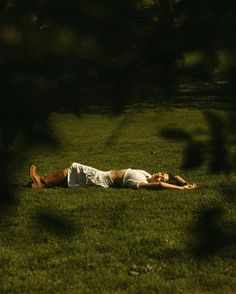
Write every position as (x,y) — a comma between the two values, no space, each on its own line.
(190,186)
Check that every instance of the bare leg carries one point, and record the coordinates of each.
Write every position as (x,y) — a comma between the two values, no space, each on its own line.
(58,178)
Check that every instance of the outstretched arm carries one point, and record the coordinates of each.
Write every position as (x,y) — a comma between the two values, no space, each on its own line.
(163,185)
(180,180)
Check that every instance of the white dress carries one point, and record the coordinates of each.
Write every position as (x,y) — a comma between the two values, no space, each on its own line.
(133,177)
(83,175)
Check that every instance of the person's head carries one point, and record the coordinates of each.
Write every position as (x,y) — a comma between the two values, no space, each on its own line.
(160,177)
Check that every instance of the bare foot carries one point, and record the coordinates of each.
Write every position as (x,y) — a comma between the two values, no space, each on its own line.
(37,180)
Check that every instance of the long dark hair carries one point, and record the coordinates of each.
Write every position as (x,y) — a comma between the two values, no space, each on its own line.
(173,180)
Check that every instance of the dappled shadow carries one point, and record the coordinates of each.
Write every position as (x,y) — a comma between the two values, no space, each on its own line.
(23,125)
(216,150)
(8,198)
(107,215)
(213,231)
(7,195)
(209,233)
(229,192)
(218,145)
(115,215)
(193,154)
(57,225)
(113,139)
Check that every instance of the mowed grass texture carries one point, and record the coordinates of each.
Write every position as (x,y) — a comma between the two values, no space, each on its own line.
(95,240)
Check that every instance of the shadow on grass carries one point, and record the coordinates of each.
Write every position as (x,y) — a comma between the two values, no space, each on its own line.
(121,126)
(229,193)
(56,225)
(219,146)
(211,233)
(214,230)
(106,215)
(193,152)
(216,150)
(7,196)
(115,215)
(8,199)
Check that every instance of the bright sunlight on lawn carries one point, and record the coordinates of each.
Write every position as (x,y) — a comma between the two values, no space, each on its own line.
(95,240)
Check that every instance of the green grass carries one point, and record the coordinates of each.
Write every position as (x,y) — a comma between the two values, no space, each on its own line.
(95,240)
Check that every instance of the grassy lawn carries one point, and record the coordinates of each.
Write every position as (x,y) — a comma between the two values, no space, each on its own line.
(98,240)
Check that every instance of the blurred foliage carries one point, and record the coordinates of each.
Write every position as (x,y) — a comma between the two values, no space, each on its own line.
(73,51)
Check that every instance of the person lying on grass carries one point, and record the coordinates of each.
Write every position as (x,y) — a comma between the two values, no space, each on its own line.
(82,176)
